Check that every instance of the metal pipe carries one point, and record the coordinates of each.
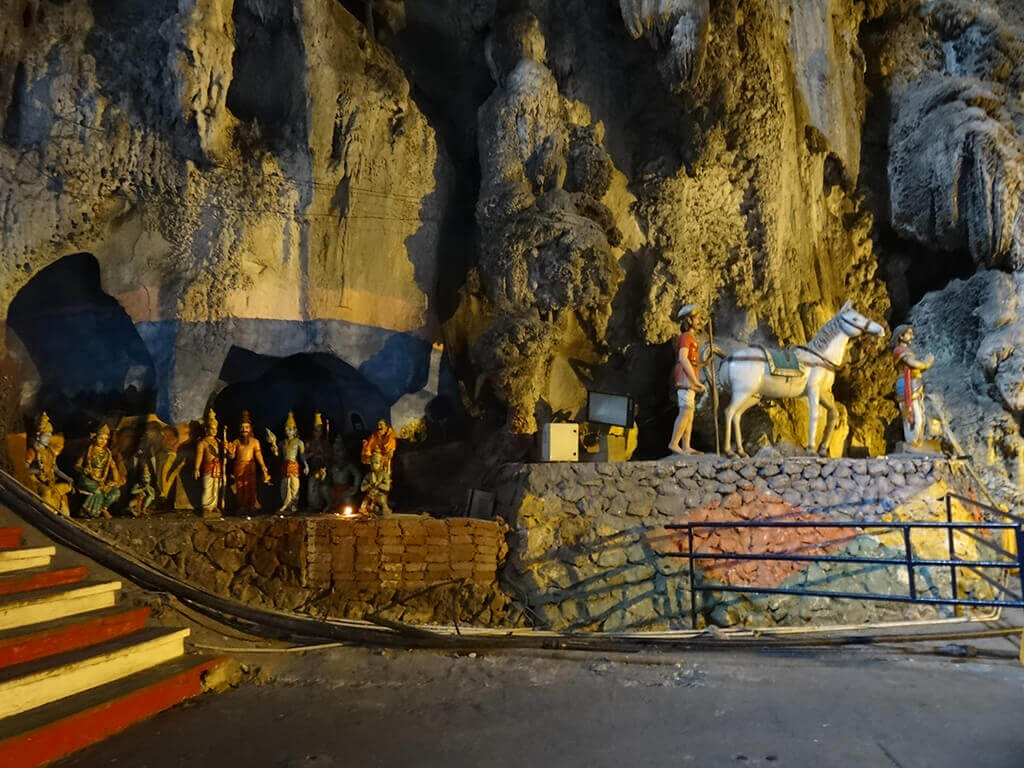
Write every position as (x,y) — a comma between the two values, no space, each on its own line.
(693,591)
(909,551)
(982,505)
(952,549)
(831,524)
(835,559)
(858,596)
(1020,565)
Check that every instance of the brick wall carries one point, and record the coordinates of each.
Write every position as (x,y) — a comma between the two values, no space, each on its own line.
(352,557)
(417,568)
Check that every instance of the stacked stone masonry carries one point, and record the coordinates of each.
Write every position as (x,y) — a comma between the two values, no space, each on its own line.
(412,569)
(589,547)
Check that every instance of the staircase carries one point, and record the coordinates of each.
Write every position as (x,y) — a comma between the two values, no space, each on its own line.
(75,667)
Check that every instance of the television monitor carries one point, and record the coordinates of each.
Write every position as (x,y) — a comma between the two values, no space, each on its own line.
(606,408)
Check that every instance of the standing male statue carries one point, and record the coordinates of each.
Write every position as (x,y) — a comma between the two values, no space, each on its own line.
(208,467)
(318,452)
(247,456)
(909,390)
(293,449)
(687,377)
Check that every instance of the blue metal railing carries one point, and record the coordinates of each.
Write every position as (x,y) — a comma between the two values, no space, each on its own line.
(908,561)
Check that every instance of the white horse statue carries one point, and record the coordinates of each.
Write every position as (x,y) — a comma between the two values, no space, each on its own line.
(748,372)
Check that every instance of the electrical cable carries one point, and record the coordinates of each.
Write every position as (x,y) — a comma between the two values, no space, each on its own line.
(308,633)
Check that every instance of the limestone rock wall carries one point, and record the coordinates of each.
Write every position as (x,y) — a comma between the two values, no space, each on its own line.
(412,570)
(540,183)
(975,328)
(738,142)
(245,173)
(589,548)
(956,163)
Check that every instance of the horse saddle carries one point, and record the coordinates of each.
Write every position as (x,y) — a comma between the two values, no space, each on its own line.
(783,362)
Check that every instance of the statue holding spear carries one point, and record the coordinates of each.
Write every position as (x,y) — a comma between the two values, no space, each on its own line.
(689,363)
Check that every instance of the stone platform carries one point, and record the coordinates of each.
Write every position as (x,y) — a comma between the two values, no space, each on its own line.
(589,547)
(407,568)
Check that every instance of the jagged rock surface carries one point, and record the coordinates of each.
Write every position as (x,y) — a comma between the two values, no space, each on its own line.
(267,176)
(547,256)
(247,173)
(975,328)
(956,165)
(681,26)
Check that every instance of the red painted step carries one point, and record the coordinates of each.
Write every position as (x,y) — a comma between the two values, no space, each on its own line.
(10,538)
(56,730)
(12,585)
(18,645)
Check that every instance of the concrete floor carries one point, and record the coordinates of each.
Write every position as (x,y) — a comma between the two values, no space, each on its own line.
(355,707)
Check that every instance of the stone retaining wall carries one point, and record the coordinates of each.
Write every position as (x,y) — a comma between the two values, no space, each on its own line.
(589,549)
(412,569)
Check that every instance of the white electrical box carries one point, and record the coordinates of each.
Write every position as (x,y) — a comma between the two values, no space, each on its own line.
(560,442)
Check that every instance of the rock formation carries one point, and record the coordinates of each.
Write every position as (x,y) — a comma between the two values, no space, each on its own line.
(546,266)
(526,181)
(179,145)
(956,164)
(976,329)
(680,25)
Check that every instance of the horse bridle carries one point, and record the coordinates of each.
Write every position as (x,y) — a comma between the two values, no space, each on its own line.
(863,329)
(825,362)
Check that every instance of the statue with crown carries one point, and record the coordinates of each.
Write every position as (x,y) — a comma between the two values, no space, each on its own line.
(45,479)
(319,491)
(209,467)
(290,451)
(247,457)
(97,476)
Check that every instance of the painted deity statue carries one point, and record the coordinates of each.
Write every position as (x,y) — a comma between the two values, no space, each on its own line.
(98,479)
(908,386)
(209,468)
(318,454)
(247,457)
(44,477)
(686,376)
(346,478)
(382,441)
(376,486)
(143,492)
(291,451)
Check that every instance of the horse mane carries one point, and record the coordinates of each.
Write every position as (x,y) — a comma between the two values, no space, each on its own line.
(824,336)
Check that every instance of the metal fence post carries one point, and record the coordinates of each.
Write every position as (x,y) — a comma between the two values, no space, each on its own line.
(952,551)
(910,561)
(1019,531)
(1020,573)
(693,590)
